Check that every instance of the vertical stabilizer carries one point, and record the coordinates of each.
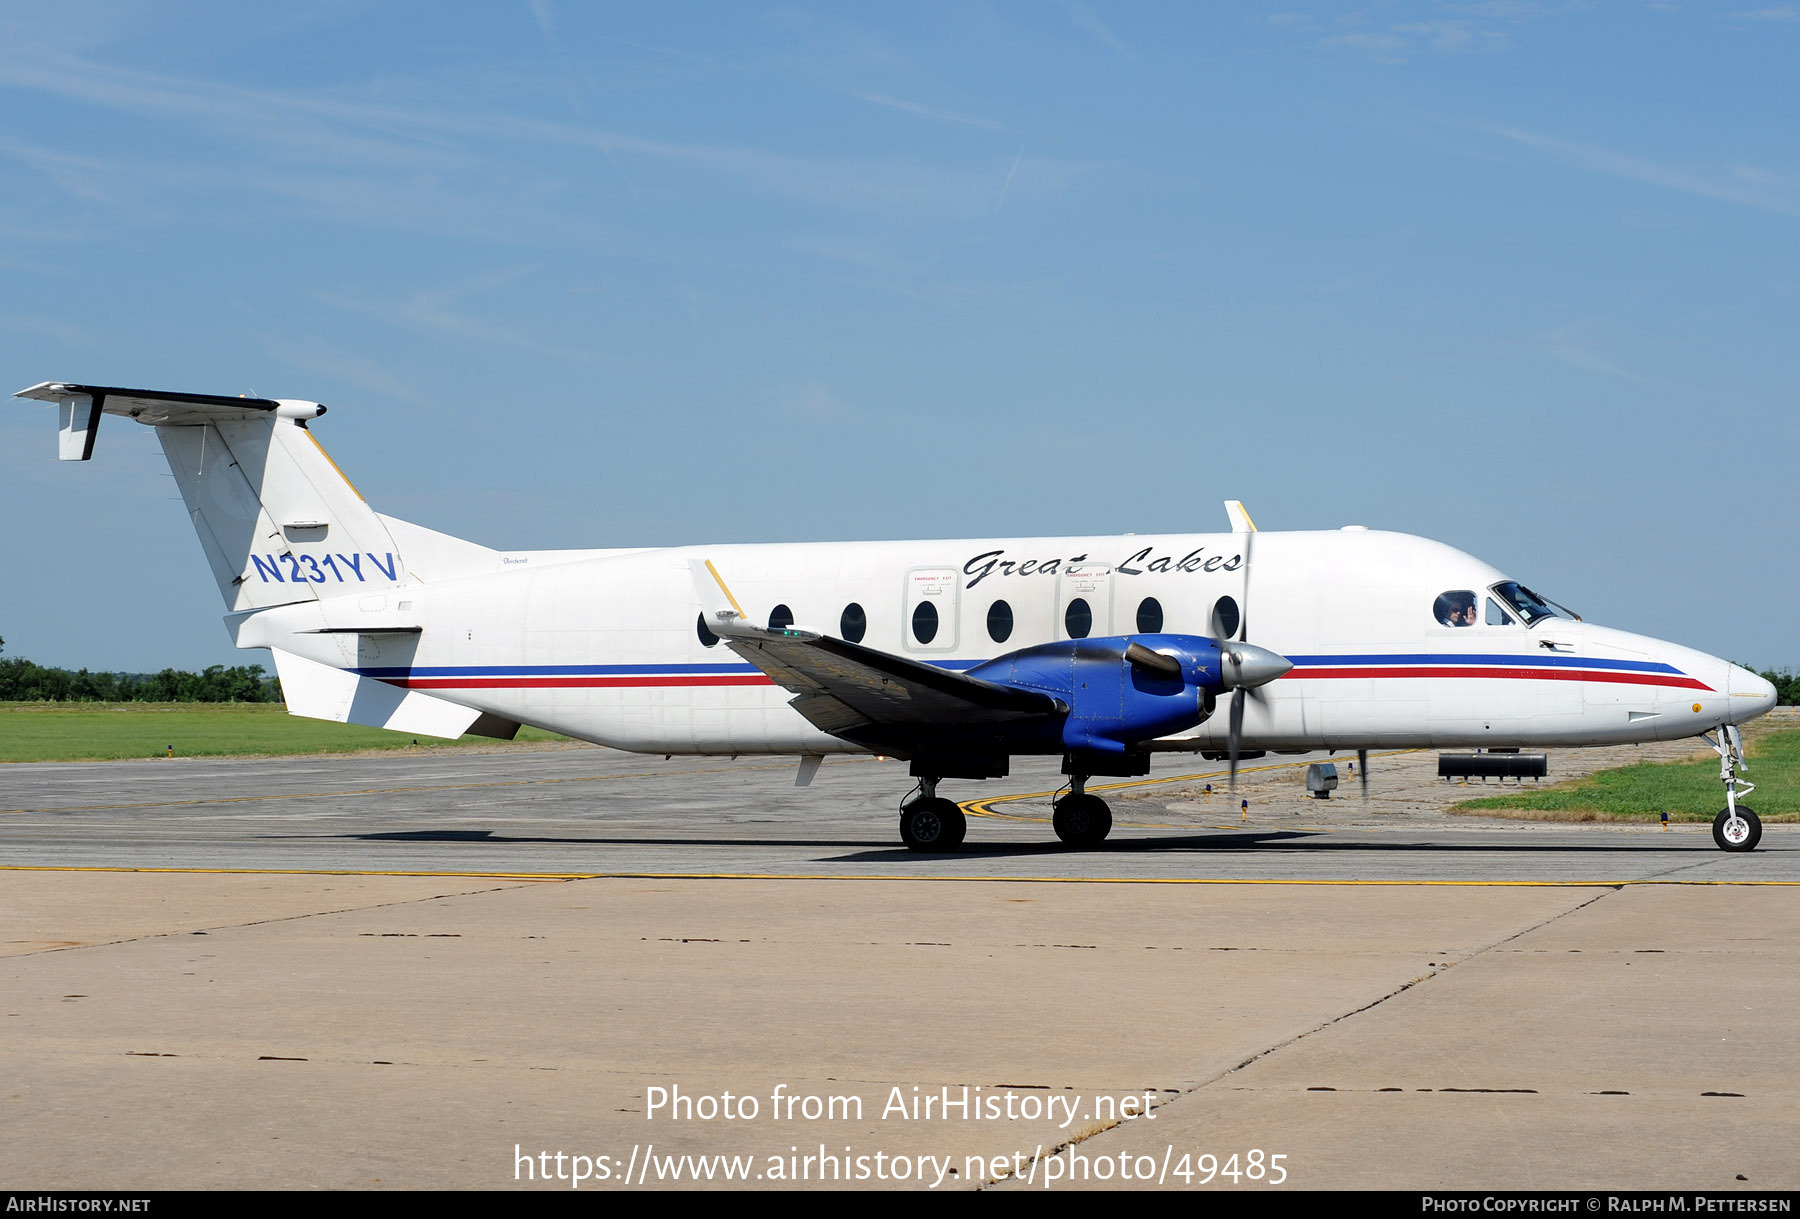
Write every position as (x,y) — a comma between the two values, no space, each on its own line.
(278,521)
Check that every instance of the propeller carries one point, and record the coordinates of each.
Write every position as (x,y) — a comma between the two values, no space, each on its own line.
(1236,737)
(1244,608)
(1244,665)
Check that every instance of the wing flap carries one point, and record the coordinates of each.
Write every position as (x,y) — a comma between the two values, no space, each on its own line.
(836,679)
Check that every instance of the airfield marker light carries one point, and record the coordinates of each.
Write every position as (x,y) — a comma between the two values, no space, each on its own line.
(1246,808)
(1665,821)
(171,751)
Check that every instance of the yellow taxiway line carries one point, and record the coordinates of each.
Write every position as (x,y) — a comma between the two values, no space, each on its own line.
(983,806)
(1030,880)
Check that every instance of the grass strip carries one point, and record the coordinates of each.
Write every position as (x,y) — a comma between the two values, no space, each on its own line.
(85,732)
(1687,791)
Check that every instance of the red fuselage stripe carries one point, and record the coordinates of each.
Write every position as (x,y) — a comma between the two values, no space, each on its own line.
(1322,674)
(1631,679)
(561,683)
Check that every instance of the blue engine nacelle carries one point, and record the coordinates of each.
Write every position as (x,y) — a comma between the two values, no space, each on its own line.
(1121,691)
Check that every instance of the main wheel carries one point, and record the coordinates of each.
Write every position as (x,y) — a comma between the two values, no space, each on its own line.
(933,824)
(1082,821)
(1740,833)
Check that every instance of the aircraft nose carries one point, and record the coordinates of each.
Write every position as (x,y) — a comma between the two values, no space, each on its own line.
(1750,694)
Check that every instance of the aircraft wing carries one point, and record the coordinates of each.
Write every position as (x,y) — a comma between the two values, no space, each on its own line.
(862,695)
(872,697)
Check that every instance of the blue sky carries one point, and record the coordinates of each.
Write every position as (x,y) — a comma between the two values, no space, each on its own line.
(1522,277)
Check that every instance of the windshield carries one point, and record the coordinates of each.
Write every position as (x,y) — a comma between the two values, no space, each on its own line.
(1530,607)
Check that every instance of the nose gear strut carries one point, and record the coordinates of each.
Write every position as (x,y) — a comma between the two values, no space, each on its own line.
(1737,827)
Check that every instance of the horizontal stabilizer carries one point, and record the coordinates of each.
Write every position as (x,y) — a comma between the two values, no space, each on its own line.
(320,692)
(80,408)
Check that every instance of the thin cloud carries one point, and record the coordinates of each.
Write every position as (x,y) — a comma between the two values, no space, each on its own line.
(1746,185)
(431,313)
(48,328)
(1011,173)
(316,356)
(942,116)
(1088,21)
(809,402)
(391,145)
(1403,40)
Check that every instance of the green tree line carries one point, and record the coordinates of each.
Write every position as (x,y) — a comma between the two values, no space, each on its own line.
(22,681)
(1787,686)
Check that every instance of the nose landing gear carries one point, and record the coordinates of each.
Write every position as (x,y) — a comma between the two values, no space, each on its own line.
(1737,827)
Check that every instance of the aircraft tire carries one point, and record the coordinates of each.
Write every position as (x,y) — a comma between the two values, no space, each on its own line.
(1082,821)
(932,825)
(1744,839)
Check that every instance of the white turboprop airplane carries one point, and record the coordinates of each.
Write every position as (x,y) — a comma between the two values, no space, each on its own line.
(955,655)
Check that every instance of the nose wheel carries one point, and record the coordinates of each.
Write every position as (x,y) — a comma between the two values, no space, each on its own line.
(1737,829)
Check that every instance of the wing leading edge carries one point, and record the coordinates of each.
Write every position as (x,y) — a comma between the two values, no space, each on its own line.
(869,697)
(880,700)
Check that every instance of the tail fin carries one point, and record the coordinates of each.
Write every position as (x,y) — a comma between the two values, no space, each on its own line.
(278,520)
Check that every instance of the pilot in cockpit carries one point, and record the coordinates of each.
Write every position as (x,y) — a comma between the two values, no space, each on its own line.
(1455,608)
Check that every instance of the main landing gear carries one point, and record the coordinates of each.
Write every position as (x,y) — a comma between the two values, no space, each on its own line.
(1081,820)
(1736,828)
(930,822)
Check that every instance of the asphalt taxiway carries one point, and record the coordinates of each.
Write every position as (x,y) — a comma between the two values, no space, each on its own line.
(583,811)
(412,970)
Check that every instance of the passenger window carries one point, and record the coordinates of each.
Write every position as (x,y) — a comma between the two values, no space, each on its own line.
(1079,619)
(1455,608)
(1000,622)
(925,622)
(1225,619)
(779,617)
(1497,616)
(1149,618)
(707,638)
(854,624)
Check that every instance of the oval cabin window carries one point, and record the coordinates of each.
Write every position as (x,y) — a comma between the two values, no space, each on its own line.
(1079,619)
(854,624)
(925,622)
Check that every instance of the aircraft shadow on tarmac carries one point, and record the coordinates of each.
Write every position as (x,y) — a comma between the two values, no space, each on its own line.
(1238,842)
(1213,843)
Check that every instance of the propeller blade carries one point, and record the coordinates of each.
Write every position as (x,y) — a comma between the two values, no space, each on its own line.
(1236,738)
(1243,527)
(1155,662)
(1244,616)
(1362,770)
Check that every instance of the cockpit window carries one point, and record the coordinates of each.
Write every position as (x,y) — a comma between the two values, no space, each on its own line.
(1527,604)
(1497,616)
(1455,608)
